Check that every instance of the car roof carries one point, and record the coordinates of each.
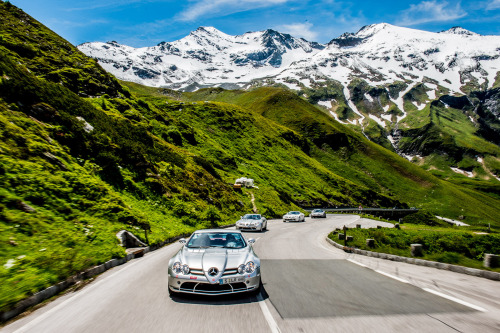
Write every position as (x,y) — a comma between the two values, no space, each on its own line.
(203,231)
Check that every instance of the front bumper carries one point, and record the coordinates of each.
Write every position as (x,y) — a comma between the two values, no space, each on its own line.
(201,286)
(248,227)
(291,219)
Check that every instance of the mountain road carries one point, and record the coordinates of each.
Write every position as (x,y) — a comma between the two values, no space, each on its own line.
(308,286)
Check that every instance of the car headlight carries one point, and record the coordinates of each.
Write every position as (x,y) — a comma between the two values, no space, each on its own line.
(250,267)
(241,269)
(177,268)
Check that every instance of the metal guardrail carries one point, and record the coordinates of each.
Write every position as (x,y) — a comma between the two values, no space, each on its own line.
(366,210)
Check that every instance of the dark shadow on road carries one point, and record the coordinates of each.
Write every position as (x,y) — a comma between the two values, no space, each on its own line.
(338,288)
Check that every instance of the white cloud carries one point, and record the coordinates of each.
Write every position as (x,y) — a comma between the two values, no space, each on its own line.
(303,30)
(203,7)
(430,11)
(494,4)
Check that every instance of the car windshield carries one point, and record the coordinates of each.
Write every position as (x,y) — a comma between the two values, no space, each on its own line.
(251,217)
(228,240)
(317,211)
(294,213)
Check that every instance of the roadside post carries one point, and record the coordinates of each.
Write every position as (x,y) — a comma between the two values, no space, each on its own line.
(345,235)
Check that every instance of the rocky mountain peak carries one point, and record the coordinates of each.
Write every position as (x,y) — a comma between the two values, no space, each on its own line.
(459,31)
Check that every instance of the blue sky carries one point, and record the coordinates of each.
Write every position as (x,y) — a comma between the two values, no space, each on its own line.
(147,22)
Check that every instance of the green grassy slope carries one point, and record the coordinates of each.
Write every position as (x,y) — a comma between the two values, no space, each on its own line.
(67,188)
(349,155)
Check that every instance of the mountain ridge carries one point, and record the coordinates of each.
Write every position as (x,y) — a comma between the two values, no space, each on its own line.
(267,49)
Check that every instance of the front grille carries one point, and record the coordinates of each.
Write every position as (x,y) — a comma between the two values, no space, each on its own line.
(197,271)
(230,271)
(207,288)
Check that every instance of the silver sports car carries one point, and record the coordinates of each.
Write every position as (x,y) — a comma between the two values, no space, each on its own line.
(214,262)
(252,222)
(318,213)
(294,216)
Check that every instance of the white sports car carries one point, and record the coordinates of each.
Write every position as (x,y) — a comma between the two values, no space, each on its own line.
(294,216)
(252,222)
(318,213)
(214,262)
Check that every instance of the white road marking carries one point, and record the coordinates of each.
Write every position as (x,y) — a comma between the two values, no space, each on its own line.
(84,291)
(392,276)
(451,298)
(267,314)
(432,291)
(357,263)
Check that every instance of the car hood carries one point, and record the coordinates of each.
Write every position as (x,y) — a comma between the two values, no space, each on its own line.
(249,220)
(219,258)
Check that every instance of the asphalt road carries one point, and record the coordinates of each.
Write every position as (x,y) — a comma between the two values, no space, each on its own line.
(309,286)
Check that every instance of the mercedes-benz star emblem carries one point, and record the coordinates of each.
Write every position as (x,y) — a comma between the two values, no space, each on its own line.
(213,271)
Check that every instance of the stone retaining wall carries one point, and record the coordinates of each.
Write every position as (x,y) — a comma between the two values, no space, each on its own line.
(439,265)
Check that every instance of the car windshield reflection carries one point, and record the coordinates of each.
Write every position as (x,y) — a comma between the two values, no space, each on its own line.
(228,240)
(251,217)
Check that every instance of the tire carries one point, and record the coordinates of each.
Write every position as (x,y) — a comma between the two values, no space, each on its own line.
(265,227)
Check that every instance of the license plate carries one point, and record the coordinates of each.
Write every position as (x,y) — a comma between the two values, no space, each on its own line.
(232,280)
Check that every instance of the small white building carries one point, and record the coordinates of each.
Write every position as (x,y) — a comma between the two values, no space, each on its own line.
(243,181)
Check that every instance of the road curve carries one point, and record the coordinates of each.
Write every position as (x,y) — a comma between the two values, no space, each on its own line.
(309,286)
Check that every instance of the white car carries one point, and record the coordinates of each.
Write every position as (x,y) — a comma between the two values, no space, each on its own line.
(294,216)
(252,222)
(318,213)
(214,262)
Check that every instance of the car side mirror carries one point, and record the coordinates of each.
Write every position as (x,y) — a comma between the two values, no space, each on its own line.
(241,217)
(251,240)
(182,240)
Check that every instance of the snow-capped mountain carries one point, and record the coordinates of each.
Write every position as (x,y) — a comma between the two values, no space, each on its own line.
(378,79)
(379,53)
(206,57)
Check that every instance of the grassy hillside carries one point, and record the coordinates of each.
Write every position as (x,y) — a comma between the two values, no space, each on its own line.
(444,130)
(349,155)
(73,172)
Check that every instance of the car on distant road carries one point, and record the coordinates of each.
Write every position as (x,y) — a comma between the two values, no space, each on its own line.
(294,216)
(214,262)
(252,222)
(318,213)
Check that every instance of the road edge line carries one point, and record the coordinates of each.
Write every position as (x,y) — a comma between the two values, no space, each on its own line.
(454,299)
(432,291)
(273,325)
